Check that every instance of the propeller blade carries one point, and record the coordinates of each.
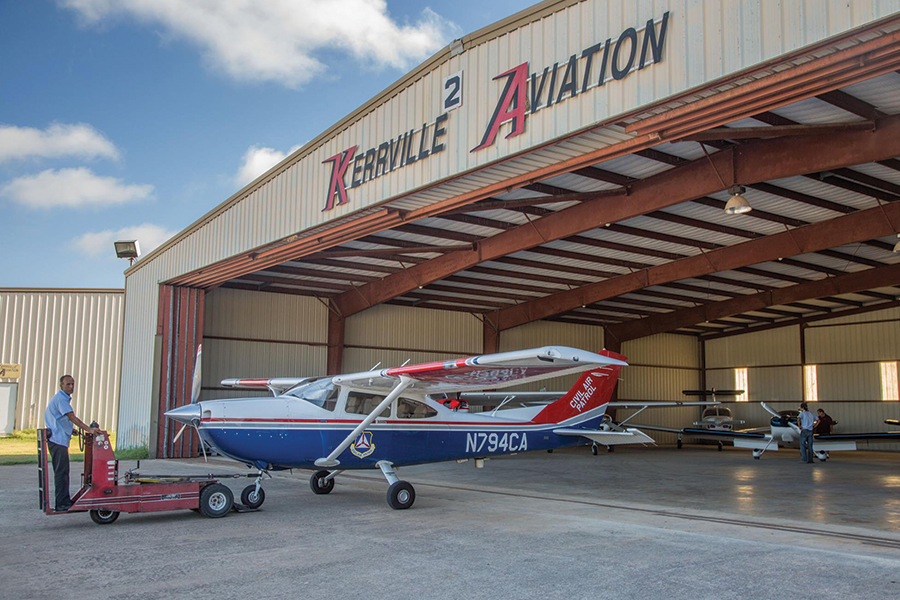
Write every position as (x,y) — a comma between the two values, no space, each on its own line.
(202,447)
(195,385)
(178,435)
(769,410)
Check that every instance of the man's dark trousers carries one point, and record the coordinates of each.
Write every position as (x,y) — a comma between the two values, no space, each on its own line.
(60,456)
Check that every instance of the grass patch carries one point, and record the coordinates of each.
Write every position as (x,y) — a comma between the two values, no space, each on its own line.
(20,448)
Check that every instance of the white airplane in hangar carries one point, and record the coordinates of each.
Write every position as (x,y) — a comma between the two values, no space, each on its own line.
(391,418)
(782,430)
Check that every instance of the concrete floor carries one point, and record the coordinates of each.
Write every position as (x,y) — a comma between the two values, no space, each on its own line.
(638,523)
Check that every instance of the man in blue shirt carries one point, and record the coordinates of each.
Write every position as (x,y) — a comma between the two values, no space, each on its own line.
(806,420)
(59,418)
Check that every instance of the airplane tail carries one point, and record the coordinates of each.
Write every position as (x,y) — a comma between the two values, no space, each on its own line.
(592,390)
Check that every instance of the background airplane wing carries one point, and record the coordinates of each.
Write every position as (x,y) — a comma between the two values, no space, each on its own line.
(499,370)
(711,434)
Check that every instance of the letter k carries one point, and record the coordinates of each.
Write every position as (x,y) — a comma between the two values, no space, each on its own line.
(340,162)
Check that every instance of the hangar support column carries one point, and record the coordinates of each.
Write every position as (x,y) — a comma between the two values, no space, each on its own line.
(335,359)
(180,327)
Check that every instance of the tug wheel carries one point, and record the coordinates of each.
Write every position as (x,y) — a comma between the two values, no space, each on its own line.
(216,501)
(318,483)
(104,517)
(401,495)
(250,498)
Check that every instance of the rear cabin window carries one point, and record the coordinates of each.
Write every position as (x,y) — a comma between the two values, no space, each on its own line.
(323,394)
(413,409)
(361,403)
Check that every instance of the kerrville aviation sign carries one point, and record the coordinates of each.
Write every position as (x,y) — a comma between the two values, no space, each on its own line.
(524,93)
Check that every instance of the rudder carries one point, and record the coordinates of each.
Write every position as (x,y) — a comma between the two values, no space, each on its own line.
(592,390)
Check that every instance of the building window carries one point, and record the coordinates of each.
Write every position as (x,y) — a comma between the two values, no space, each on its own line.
(740,383)
(890,390)
(810,384)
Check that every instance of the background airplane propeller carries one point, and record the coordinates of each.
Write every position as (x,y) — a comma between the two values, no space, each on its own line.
(195,396)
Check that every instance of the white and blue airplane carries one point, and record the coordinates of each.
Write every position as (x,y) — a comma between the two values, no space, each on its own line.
(395,417)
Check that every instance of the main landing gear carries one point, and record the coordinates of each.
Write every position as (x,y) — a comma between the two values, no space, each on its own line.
(322,482)
(401,494)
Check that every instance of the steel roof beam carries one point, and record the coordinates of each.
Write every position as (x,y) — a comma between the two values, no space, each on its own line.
(835,232)
(744,133)
(843,284)
(753,162)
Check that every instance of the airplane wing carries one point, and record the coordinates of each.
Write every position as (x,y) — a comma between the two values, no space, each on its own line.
(712,434)
(610,438)
(276,385)
(892,421)
(499,370)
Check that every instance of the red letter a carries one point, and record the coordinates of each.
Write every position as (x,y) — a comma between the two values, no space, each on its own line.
(511,106)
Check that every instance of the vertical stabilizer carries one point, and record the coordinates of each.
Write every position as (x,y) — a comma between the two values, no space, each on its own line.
(592,390)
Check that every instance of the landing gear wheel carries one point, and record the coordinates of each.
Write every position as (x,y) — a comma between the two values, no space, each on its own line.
(401,495)
(679,444)
(251,498)
(594,449)
(216,501)
(104,517)
(319,485)
(549,450)
(720,446)
(610,448)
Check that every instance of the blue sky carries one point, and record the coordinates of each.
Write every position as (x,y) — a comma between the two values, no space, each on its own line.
(123,118)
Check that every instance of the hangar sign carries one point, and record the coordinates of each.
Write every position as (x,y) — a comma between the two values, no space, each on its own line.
(10,371)
(523,94)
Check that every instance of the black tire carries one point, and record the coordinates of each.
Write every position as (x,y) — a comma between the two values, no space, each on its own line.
(104,517)
(720,446)
(216,501)
(318,484)
(250,498)
(679,444)
(401,495)
(594,449)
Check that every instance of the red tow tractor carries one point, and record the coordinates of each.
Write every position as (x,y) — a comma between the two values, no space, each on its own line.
(105,496)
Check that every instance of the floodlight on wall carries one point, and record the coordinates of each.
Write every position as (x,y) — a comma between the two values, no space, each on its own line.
(897,245)
(737,205)
(129,249)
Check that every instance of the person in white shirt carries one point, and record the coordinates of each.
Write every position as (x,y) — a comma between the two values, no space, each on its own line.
(806,420)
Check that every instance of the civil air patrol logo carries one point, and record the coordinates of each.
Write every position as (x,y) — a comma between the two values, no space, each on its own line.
(363,446)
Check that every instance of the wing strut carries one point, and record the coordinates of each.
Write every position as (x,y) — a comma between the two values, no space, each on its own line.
(331,460)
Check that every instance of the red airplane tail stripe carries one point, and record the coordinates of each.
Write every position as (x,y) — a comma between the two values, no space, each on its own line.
(593,389)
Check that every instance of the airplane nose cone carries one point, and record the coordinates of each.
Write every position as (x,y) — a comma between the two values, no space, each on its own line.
(185,414)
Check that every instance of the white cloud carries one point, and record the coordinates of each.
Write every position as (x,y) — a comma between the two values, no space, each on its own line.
(71,188)
(58,140)
(257,160)
(100,243)
(275,40)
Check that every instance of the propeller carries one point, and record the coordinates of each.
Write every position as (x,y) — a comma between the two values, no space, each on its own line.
(195,396)
(775,414)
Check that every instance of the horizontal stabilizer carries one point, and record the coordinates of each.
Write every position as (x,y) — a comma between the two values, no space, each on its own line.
(609,438)
(713,392)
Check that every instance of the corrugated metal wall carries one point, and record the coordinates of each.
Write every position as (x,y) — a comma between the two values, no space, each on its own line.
(846,352)
(56,332)
(661,367)
(705,41)
(392,335)
(271,335)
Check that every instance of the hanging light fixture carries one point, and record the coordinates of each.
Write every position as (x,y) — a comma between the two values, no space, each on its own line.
(737,205)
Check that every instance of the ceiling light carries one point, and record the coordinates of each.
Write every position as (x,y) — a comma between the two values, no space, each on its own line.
(737,205)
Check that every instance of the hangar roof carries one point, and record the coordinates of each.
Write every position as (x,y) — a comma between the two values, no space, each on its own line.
(622,225)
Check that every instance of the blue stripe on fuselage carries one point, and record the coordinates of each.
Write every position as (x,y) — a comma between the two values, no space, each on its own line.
(301,447)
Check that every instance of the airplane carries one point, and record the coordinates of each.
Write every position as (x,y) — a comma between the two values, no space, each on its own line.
(391,418)
(716,418)
(782,429)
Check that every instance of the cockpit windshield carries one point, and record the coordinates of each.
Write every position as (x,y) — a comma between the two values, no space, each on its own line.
(322,393)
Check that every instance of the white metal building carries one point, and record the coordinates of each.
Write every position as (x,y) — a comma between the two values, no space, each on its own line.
(47,333)
(560,177)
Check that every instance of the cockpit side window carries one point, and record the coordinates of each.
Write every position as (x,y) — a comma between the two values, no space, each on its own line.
(363,403)
(413,409)
(323,393)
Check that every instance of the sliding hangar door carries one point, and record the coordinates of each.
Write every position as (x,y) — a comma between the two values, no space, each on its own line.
(643,179)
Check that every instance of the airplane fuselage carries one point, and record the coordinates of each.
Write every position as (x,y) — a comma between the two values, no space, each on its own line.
(281,432)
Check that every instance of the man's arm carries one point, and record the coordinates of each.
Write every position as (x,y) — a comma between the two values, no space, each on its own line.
(81,424)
